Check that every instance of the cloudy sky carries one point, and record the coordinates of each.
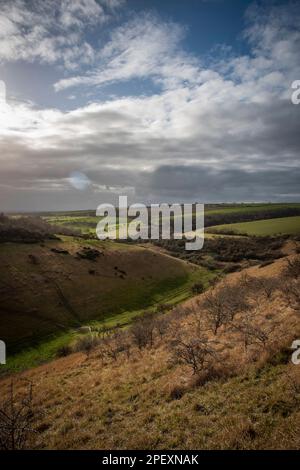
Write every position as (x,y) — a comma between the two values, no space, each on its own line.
(160,100)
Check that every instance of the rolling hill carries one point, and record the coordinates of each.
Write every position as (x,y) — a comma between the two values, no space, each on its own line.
(50,287)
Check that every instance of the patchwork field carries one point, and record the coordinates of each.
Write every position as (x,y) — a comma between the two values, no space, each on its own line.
(86,221)
(280,226)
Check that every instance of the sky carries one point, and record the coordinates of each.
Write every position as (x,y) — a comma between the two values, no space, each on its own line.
(162,101)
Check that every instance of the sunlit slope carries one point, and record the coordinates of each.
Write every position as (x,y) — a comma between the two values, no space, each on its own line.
(53,286)
(284,225)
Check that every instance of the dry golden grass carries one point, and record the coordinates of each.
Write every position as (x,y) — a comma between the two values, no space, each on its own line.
(250,401)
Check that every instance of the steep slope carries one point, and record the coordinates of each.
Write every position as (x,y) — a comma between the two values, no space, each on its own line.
(148,401)
(49,287)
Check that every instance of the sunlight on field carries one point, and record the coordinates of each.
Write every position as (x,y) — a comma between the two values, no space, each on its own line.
(285,225)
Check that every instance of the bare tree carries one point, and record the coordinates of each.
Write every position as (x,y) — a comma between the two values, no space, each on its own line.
(143,331)
(123,342)
(267,285)
(16,420)
(291,292)
(162,325)
(195,352)
(249,331)
(254,333)
(223,303)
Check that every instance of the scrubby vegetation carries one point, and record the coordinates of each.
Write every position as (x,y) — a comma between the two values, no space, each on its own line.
(248,214)
(29,230)
(224,253)
(210,372)
(16,418)
(214,372)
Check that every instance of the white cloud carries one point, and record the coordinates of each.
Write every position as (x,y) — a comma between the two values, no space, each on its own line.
(145,47)
(50,31)
(228,130)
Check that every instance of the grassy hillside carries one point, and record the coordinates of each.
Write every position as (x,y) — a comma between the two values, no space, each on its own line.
(246,399)
(285,225)
(50,287)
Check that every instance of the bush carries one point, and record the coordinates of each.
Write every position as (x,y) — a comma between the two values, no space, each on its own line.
(64,351)
(29,230)
(16,417)
(86,344)
(292,269)
(198,288)
(177,392)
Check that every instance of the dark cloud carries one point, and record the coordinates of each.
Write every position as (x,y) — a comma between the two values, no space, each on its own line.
(202,184)
(228,134)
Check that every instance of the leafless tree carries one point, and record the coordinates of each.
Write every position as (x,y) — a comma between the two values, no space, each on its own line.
(123,342)
(253,332)
(250,332)
(223,303)
(291,292)
(162,325)
(143,331)
(16,420)
(267,285)
(196,352)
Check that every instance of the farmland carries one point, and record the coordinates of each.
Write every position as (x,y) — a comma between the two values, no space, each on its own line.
(270,227)
(54,282)
(86,221)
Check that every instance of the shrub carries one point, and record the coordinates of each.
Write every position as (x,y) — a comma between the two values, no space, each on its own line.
(29,230)
(177,392)
(198,288)
(291,292)
(16,417)
(86,344)
(64,351)
(292,269)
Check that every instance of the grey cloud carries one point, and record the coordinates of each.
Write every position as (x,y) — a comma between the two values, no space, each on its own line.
(202,184)
(222,139)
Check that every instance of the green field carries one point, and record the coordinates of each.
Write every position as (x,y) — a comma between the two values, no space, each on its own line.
(86,221)
(281,226)
(248,208)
